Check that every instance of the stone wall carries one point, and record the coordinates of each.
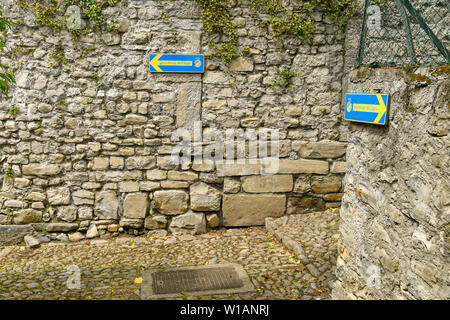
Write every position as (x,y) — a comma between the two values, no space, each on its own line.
(89,145)
(396,209)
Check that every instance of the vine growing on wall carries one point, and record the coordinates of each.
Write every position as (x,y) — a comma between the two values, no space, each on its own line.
(6,76)
(51,13)
(218,22)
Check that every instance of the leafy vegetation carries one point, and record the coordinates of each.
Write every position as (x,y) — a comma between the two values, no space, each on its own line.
(8,174)
(51,13)
(13,110)
(6,75)
(219,27)
(283,79)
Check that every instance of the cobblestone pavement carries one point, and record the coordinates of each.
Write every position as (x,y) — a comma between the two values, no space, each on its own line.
(111,269)
(313,239)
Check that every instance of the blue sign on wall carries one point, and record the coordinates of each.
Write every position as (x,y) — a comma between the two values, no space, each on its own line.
(367,108)
(160,62)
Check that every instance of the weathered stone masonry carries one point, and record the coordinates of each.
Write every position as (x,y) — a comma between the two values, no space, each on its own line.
(90,144)
(394,229)
(396,209)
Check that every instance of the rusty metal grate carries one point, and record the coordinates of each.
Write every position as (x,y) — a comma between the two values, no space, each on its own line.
(226,278)
(195,280)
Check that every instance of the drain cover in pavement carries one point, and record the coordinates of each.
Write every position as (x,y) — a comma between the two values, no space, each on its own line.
(212,279)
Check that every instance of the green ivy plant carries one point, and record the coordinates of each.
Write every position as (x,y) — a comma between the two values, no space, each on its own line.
(217,20)
(283,79)
(8,174)
(6,75)
(13,110)
(51,13)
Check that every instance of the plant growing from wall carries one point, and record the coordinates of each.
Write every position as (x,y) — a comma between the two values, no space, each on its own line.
(51,13)
(217,20)
(6,75)
(8,174)
(13,110)
(283,79)
(58,54)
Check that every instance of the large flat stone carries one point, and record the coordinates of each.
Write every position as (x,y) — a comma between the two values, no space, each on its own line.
(38,169)
(135,205)
(320,150)
(188,105)
(10,234)
(57,196)
(106,205)
(171,202)
(326,184)
(27,216)
(258,184)
(225,169)
(61,227)
(188,223)
(241,210)
(297,166)
(204,197)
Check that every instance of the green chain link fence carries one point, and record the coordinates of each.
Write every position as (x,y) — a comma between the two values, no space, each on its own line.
(405,33)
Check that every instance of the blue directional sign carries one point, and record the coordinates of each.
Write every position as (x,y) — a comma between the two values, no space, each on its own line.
(160,62)
(367,108)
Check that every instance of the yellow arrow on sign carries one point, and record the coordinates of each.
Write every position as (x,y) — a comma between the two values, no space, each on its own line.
(379,108)
(155,63)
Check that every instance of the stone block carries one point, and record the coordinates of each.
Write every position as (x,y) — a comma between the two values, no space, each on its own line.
(140,162)
(188,105)
(260,184)
(38,169)
(100,163)
(297,166)
(320,150)
(82,197)
(132,223)
(241,210)
(149,185)
(116,162)
(106,205)
(35,196)
(58,196)
(182,175)
(189,223)
(242,64)
(10,234)
(26,216)
(204,197)
(156,174)
(129,186)
(231,185)
(135,205)
(302,184)
(326,184)
(238,169)
(61,227)
(171,202)
(155,222)
(31,242)
(333,197)
(213,220)
(67,213)
(174,184)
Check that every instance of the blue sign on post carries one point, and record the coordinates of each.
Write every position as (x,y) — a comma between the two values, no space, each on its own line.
(367,108)
(160,62)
